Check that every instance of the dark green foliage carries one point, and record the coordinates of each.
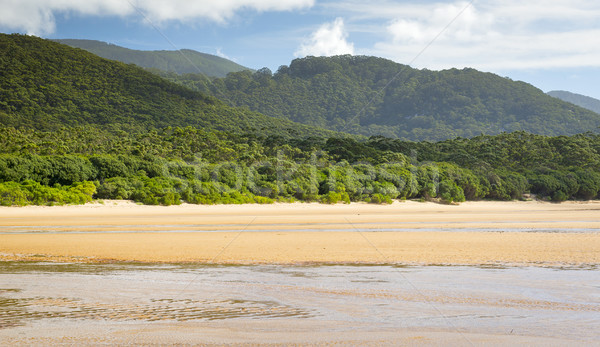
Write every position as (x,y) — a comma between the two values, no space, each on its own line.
(45,85)
(509,165)
(110,166)
(360,95)
(589,184)
(449,192)
(180,62)
(379,198)
(558,185)
(175,165)
(48,170)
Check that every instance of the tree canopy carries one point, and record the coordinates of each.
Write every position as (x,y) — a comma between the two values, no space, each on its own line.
(46,85)
(171,165)
(374,96)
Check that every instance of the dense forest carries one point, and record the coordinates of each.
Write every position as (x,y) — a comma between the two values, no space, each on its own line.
(375,96)
(76,127)
(174,165)
(180,62)
(45,85)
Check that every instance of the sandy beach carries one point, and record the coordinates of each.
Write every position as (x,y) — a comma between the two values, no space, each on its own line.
(517,233)
(117,273)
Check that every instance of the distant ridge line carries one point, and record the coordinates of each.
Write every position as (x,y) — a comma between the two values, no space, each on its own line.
(580,100)
(164,60)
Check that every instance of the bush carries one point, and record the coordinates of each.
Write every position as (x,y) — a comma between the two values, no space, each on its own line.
(116,188)
(450,192)
(378,198)
(12,194)
(559,196)
(33,193)
(589,184)
(335,197)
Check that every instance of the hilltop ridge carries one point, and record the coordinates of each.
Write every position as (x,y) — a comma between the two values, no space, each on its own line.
(587,102)
(375,96)
(47,85)
(180,62)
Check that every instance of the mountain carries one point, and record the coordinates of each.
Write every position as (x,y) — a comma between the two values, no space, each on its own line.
(577,99)
(47,85)
(182,61)
(374,96)
(75,126)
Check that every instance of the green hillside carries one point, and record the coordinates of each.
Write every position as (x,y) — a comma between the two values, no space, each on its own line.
(180,62)
(47,85)
(76,127)
(577,99)
(375,96)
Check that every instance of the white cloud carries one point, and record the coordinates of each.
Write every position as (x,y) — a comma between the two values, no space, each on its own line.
(38,16)
(466,24)
(328,40)
(216,10)
(491,35)
(219,53)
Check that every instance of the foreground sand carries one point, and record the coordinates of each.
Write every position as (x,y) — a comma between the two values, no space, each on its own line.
(405,232)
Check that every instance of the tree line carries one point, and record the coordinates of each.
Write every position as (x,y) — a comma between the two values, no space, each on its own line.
(174,165)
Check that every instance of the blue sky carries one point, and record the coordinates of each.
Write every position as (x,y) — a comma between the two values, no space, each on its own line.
(552,44)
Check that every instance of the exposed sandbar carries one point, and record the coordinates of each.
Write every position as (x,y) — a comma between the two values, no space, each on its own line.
(407,232)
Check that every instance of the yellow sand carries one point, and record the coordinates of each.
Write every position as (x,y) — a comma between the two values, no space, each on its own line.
(300,233)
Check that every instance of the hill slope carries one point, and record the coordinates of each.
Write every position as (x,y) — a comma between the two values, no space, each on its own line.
(183,61)
(46,85)
(577,99)
(360,95)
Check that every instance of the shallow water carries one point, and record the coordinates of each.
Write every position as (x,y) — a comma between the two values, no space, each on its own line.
(147,229)
(419,226)
(49,300)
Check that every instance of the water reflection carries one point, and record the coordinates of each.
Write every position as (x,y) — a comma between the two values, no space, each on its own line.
(548,302)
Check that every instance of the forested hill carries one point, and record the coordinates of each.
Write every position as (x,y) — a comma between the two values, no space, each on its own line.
(375,96)
(46,85)
(577,99)
(184,61)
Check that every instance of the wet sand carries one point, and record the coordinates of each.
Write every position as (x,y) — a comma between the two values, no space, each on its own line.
(519,233)
(514,248)
(151,304)
(78,286)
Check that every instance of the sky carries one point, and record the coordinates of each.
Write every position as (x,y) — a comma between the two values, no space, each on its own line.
(552,44)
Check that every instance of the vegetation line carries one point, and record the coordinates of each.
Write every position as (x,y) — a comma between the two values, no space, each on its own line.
(174,165)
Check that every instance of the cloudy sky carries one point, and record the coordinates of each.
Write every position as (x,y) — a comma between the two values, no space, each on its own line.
(552,44)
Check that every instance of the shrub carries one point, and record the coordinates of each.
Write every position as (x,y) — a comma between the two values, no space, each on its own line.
(12,194)
(450,192)
(378,198)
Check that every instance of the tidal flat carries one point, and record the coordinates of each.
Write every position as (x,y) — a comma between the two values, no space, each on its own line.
(515,233)
(96,304)
(484,273)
